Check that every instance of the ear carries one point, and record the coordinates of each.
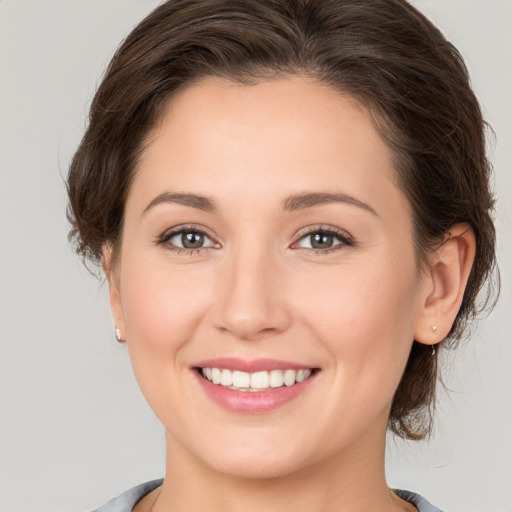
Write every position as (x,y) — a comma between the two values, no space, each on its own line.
(113,289)
(445,282)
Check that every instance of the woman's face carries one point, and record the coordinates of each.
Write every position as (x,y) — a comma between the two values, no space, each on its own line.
(265,234)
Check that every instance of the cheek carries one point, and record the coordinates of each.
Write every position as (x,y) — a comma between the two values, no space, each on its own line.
(365,318)
(162,311)
(349,302)
(161,304)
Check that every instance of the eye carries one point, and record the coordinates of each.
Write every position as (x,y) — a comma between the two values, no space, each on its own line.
(188,239)
(324,240)
(317,240)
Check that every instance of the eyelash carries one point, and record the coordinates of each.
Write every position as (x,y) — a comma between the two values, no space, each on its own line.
(343,237)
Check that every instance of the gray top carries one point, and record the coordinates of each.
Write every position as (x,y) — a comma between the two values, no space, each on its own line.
(126,501)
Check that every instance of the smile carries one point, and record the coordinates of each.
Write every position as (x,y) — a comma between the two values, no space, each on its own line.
(253,386)
(256,381)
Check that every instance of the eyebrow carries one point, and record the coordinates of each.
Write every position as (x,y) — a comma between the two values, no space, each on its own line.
(292,203)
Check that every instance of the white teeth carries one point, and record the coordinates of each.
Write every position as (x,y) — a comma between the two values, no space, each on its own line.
(289,377)
(276,378)
(302,375)
(241,379)
(258,381)
(226,378)
(216,375)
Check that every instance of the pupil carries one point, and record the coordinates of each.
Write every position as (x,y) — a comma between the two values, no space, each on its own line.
(192,239)
(321,241)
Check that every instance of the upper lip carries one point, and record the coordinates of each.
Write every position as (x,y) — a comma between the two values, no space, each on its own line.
(249,365)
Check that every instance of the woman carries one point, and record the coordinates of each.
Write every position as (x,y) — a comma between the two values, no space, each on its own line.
(291,203)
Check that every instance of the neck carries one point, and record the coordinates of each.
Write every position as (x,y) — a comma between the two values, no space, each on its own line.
(351,481)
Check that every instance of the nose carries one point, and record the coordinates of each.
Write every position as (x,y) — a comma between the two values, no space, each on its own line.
(252,305)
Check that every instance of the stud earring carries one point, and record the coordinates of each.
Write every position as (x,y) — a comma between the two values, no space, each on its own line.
(118,334)
(434,328)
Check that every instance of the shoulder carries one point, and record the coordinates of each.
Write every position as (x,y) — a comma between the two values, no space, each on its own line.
(126,501)
(418,501)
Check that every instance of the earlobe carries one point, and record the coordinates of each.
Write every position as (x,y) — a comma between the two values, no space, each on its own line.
(114,292)
(450,267)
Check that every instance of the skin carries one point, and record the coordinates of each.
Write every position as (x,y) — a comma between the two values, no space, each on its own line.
(258,289)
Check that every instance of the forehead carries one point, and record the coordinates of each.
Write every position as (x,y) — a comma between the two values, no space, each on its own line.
(296,108)
(278,136)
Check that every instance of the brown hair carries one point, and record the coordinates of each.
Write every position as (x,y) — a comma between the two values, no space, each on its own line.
(382,52)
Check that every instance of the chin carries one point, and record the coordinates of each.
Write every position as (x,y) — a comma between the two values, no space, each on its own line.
(257,459)
(258,468)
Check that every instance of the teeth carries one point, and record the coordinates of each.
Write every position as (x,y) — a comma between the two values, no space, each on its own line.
(226,378)
(241,379)
(276,378)
(258,381)
(216,375)
(302,374)
(289,377)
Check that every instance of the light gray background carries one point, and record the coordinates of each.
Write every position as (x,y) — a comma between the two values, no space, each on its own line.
(75,430)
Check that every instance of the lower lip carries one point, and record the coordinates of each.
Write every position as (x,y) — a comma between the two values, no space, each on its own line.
(253,402)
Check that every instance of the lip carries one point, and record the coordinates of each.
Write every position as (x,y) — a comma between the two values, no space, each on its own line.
(249,365)
(247,402)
